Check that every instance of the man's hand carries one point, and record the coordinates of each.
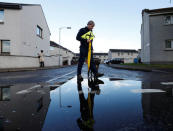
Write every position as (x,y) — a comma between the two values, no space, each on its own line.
(88,41)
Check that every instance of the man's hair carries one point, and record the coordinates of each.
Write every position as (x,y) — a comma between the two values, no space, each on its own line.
(41,50)
(91,22)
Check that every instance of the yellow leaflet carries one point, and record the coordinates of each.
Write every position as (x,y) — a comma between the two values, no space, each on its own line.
(88,36)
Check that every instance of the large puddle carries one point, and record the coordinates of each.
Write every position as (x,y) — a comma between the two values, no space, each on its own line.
(115,105)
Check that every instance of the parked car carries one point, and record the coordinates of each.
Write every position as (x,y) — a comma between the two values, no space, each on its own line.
(115,61)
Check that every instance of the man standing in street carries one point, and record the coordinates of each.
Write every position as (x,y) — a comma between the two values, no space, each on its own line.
(41,58)
(85,36)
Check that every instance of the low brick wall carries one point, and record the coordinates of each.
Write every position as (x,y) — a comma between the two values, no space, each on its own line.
(26,61)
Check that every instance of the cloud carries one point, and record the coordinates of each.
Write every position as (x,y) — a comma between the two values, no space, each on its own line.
(126,83)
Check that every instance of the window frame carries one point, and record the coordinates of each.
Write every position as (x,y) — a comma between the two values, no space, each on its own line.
(40,31)
(171,19)
(2,93)
(171,48)
(2,21)
(1,46)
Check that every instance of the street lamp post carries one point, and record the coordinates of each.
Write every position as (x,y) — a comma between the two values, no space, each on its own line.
(60,39)
(59,59)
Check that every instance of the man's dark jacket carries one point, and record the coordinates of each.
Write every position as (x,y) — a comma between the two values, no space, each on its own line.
(83,42)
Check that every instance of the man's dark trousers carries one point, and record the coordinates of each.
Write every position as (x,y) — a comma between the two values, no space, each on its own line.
(82,58)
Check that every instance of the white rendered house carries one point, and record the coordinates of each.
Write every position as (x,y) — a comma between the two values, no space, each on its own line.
(23,33)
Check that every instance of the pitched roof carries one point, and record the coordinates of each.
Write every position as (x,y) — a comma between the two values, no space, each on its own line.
(18,6)
(160,10)
(53,44)
(123,50)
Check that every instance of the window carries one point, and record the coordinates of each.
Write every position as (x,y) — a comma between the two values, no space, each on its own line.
(5,46)
(39,32)
(118,53)
(5,93)
(122,53)
(128,53)
(1,15)
(168,20)
(169,44)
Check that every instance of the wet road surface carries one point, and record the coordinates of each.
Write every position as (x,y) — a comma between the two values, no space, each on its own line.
(52,100)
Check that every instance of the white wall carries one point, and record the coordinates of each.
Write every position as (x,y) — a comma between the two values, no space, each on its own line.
(109,55)
(64,54)
(145,39)
(124,55)
(31,44)
(18,62)
(26,62)
(101,57)
(20,28)
(11,29)
(127,58)
(51,61)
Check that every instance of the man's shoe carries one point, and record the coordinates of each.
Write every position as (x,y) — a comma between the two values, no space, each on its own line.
(99,75)
(99,81)
(79,78)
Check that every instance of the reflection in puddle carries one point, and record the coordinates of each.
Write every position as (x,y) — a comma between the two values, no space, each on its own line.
(115,79)
(116,108)
(24,111)
(102,105)
(167,83)
(5,93)
(147,91)
(86,121)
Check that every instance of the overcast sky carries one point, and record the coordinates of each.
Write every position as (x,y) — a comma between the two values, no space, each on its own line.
(118,22)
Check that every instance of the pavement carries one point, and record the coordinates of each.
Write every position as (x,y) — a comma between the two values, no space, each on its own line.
(30,68)
(140,68)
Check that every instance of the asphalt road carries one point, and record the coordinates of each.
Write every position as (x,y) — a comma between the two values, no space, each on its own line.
(63,74)
(39,76)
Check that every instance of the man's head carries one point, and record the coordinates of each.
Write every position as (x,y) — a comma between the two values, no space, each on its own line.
(90,25)
(41,51)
